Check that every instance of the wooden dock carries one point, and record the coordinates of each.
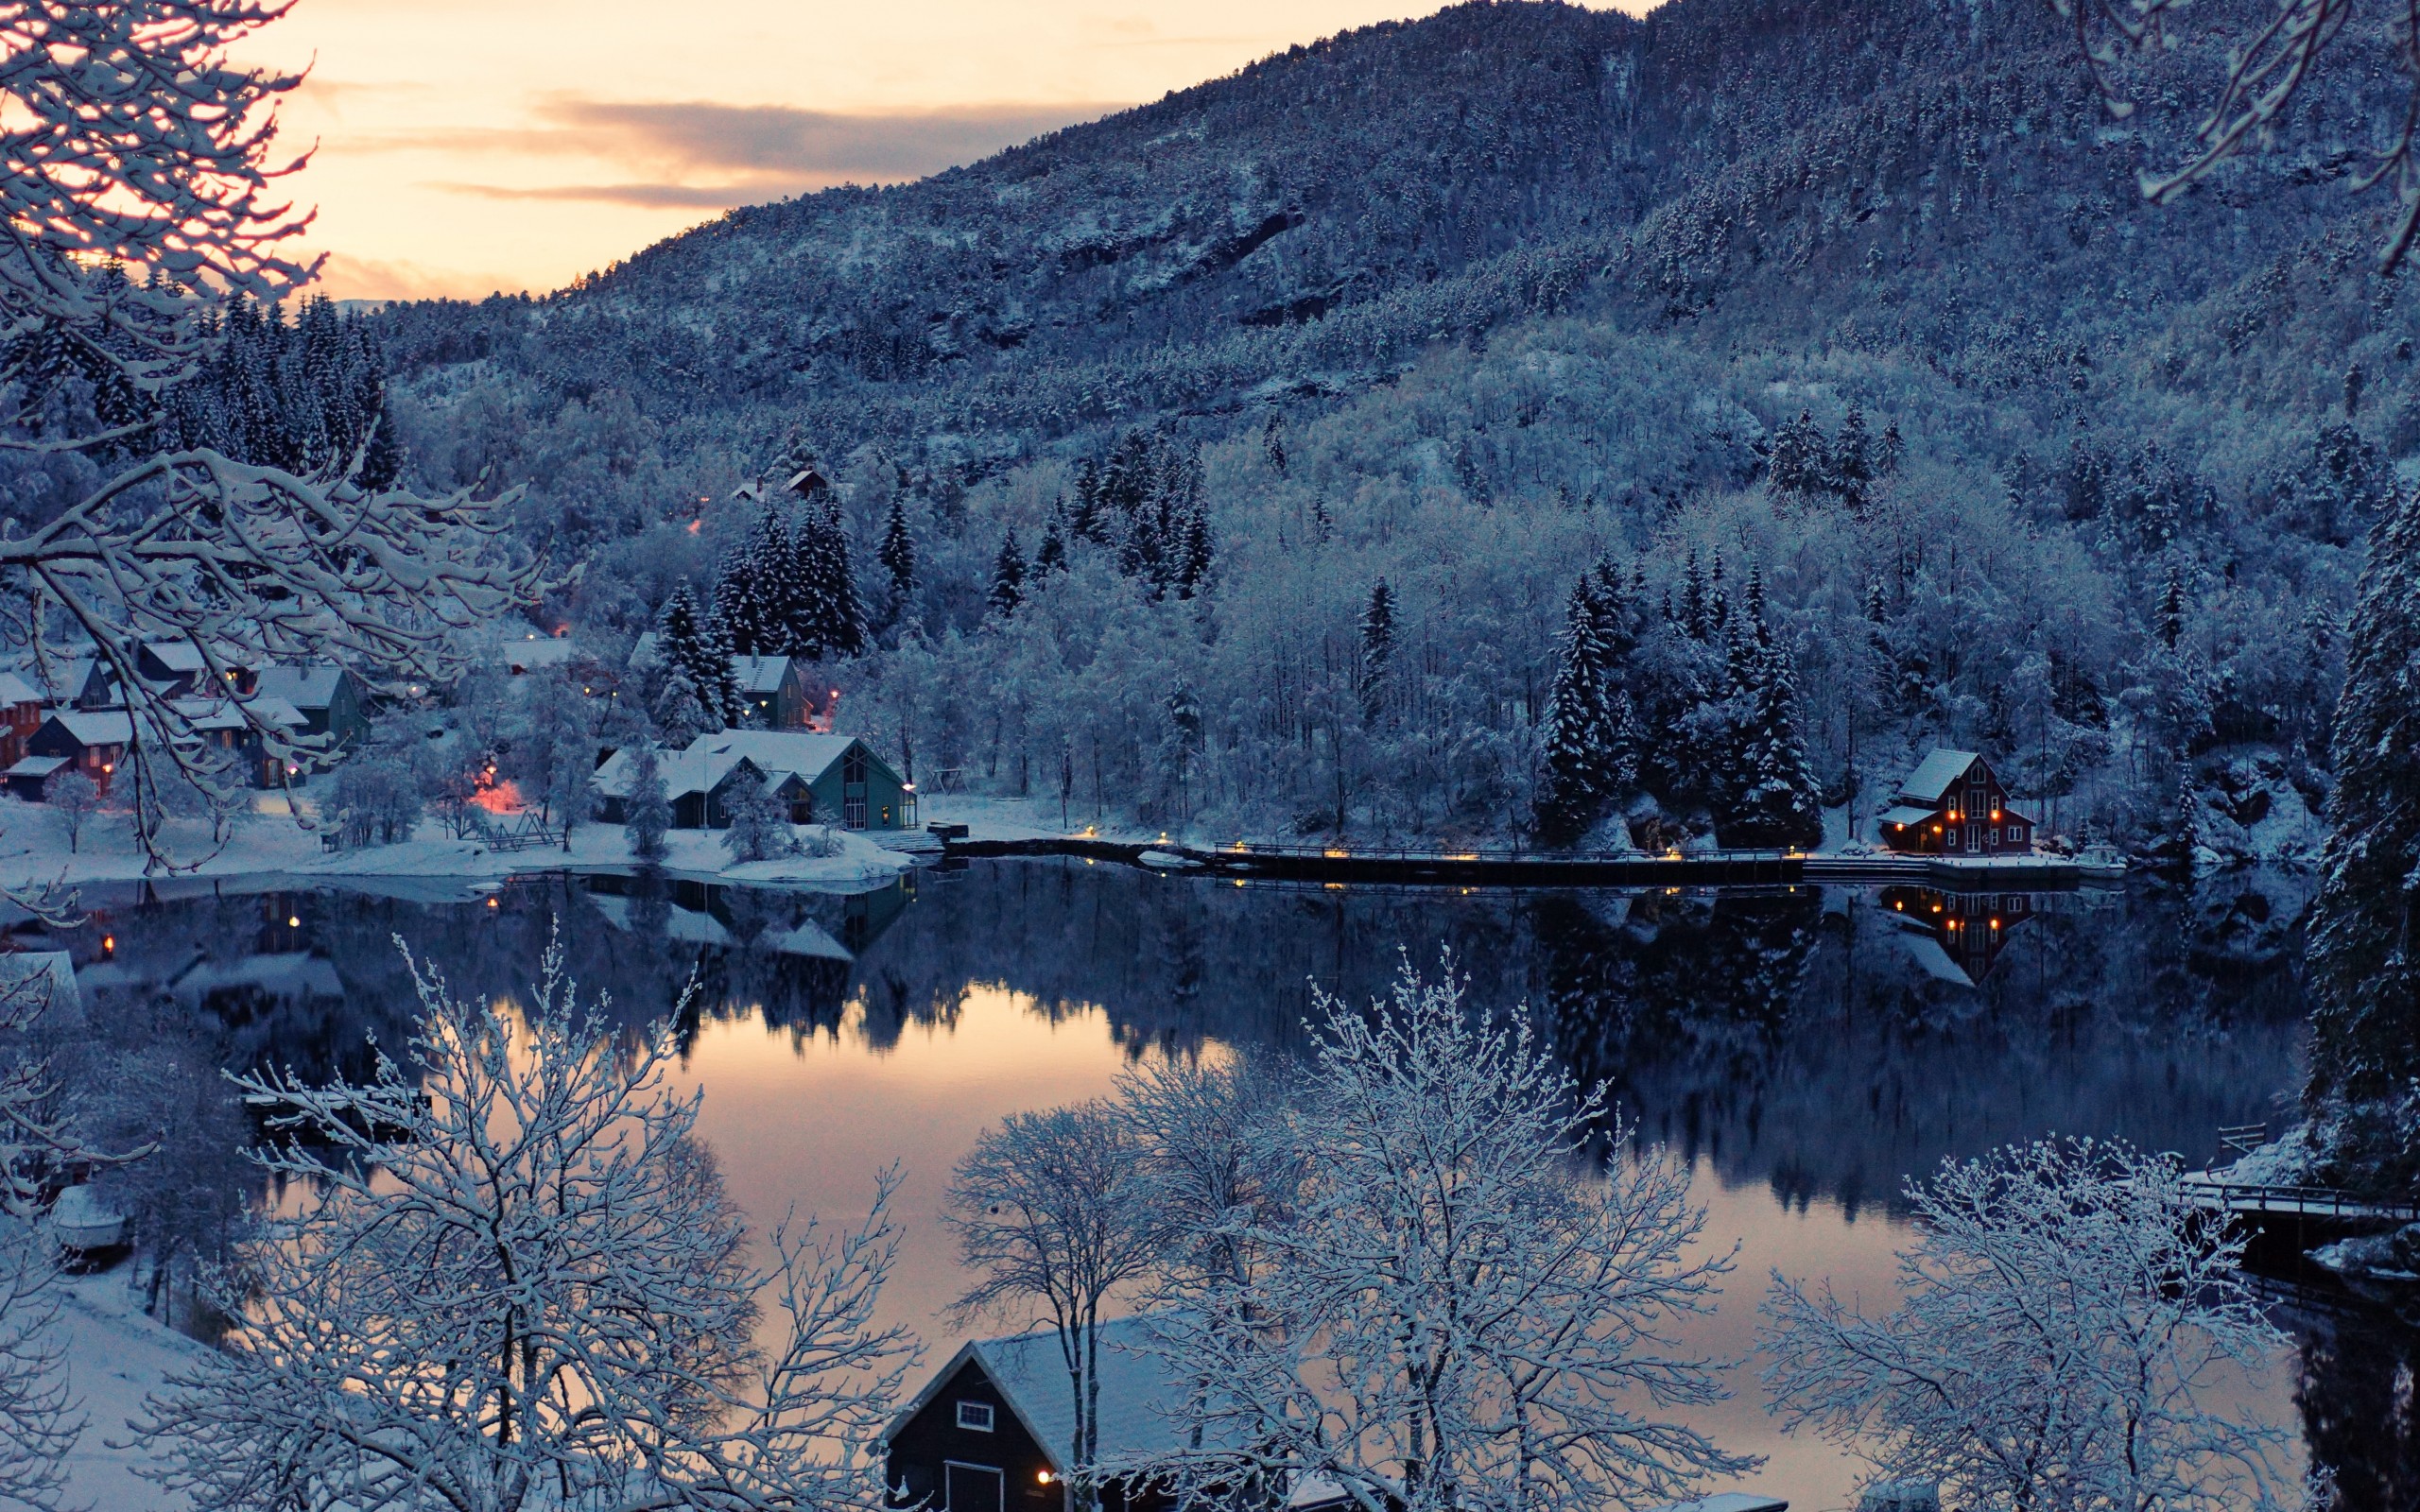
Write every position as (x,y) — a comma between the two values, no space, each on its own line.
(2286,1222)
(1348,864)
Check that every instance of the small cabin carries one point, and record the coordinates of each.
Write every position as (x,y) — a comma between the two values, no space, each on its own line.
(993,1429)
(1953,805)
(776,689)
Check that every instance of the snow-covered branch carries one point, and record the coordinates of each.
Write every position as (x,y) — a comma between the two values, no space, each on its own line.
(517,1281)
(1453,1311)
(2069,1326)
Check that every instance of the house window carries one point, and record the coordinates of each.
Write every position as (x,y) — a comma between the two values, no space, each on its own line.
(1995,835)
(975,1414)
(852,813)
(852,767)
(1952,838)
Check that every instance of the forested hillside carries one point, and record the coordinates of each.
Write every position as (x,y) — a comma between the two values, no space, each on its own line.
(1831,342)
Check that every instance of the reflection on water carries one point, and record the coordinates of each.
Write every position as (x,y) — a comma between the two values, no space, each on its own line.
(1807,1048)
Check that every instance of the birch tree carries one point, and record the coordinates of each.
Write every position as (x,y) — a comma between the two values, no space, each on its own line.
(1455,1312)
(2067,1334)
(515,1280)
(138,174)
(1051,1219)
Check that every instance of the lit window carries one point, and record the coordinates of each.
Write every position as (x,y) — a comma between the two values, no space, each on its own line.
(975,1414)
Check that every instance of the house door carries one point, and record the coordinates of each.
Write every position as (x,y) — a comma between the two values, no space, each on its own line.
(1974,837)
(973,1488)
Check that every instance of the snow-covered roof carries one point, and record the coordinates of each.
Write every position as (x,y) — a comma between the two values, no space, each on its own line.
(177,655)
(777,751)
(304,687)
(1906,814)
(643,653)
(760,673)
(14,689)
(95,727)
(1137,1389)
(684,773)
(807,938)
(1934,774)
(1729,1502)
(547,651)
(47,980)
(36,767)
(218,714)
(289,974)
(1929,955)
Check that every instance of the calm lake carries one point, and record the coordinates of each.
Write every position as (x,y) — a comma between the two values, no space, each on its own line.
(1806,1050)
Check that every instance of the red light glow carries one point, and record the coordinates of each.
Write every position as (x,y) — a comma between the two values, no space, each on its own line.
(503,798)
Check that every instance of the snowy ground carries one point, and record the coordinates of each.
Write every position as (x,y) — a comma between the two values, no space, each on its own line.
(34,850)
(115,1357)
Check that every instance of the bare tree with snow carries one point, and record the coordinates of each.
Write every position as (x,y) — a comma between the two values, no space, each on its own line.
(515,1280)
(1214,1154)
(2268,67)
(1457,1312)
(137,182)
(2069,1329)
(1052,1220)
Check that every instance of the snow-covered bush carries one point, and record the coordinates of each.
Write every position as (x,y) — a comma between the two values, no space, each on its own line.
(2069,1332)
(760,824)
(511,1280)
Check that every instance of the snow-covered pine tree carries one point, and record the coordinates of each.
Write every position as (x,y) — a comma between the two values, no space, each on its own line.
(2364,951)
(1578,776)
(830,585)
(1008,578)
(1774,796)
(1193,552)
(680,712)
(2168,619)
(1890,453)
(1377,652)
(1851,463)
(1273,442)
(740,596)
(718,680)
(1051,556)
(688,644)
(896,555)
(1800,462)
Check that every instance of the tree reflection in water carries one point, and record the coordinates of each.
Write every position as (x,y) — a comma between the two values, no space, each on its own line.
(1812,1040)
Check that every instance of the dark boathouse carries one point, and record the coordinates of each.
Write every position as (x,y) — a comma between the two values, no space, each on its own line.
(1952,805)
(993,1429)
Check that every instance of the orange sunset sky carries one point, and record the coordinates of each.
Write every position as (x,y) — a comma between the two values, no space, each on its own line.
(468,146)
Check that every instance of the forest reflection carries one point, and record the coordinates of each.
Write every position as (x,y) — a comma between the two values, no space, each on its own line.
(1817,1044)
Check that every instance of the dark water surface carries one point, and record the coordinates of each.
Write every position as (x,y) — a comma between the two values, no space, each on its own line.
(1806,1050)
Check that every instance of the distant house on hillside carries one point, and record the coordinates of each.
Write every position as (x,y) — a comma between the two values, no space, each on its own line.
(172,667)
(73,682)
(1953,805)
(536,651)
(777,689)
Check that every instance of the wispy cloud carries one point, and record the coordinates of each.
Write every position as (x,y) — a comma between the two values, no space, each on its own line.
(644,196)
(705,156)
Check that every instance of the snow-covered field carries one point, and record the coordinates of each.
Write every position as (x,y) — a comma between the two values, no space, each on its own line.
(115,1357)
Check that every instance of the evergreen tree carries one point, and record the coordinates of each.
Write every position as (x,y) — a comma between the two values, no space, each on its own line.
(1799,462)
(1851,470)
(1693,605)
(1890,453)
(693,646)
(2364,952)
(1273,442)
(1578,776)
(832,623)
(1193,552)
(896,555)
(1377,652)
(2169,621)
(1008,578)
(647,812)
(757,591)
(680,712)
(1772,797)
(1051,556)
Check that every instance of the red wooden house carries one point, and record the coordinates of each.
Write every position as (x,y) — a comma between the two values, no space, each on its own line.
(1953,805)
